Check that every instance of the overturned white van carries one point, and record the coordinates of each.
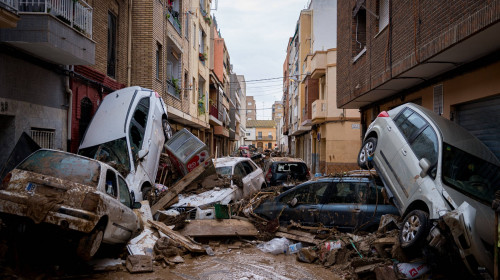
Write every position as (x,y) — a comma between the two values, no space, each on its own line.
(128,132)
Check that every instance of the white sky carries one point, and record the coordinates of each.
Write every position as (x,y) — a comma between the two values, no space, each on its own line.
(256,33)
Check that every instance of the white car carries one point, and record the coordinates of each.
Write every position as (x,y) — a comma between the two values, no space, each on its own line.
(251,175)
(128,132)
(77,194)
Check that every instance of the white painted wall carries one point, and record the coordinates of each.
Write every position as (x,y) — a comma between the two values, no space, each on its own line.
(324,25)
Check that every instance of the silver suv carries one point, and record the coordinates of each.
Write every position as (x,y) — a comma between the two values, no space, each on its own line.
(433,168)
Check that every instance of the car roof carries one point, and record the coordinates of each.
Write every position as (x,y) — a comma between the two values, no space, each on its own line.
(229,161)
(457,136)
(285,159)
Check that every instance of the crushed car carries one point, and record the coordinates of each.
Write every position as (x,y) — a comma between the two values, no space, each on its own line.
(128,131)
(74,193)
(346,203)
(432,169)
(244,170)
(286,170)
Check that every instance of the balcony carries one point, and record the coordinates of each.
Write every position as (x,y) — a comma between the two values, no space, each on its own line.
(59,31)
(215,116)
(9,13)
(319,111)
(173,18)
(173,88)
(318,65)
(221,131)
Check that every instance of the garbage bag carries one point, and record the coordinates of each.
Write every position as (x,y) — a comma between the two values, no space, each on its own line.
(275,246)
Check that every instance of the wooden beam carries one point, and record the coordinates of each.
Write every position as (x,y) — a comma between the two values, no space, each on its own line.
(224,227)
(183,240)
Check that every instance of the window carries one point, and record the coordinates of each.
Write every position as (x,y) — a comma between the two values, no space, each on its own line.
(260,135)
(124,193)
(409,123)
(201,43)
(186,28)
(193,90)
(248,133)
(425,145)
(111,45)
(111,188)
(270,135)
(308,194)
(174,73)
(239,170)
(343,192)
(269,145)
(250,103)
(158,60)
(248,167)
(359,32)
(43,137)
(249,111)
(383,14)
(138,126)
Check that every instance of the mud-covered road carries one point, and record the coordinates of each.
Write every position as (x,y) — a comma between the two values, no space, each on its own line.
(244,263)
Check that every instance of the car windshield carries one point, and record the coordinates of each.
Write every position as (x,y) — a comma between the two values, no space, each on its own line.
(64,166)
(295,168)
(469,174)
(225,170)
(115,153)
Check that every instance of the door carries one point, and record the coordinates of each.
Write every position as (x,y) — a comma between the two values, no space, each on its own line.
(342,207)
(421,143)
(140,138)
(308,206)
(114,231)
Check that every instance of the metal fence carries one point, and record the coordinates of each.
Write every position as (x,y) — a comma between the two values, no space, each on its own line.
(44,138)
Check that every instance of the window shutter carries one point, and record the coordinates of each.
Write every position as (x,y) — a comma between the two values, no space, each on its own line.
(438,99)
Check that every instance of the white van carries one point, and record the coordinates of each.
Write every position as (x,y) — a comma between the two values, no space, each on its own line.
(128,132)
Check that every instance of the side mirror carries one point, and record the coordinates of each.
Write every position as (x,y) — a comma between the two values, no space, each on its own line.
(425,165)
(293,202)
(142,153)
(136,205)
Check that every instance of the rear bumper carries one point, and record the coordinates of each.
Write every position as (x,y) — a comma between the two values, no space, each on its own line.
(60,215)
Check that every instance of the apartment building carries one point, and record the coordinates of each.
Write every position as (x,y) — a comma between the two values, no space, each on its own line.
(443,55)
(277,111)
(40,42)
(237,111)
(251,108)
(265,133)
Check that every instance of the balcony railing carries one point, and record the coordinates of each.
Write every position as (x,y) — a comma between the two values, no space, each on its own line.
(214,111)
(76,13)
(12,5)
(173,88)
(319,109)
(173,17)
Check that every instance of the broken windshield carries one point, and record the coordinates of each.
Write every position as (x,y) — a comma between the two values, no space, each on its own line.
(225,170)
(469,174)
(114,153)
(64,166)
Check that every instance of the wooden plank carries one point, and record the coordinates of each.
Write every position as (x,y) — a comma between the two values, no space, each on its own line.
(295,232)
(224,227)
(183,240)
(296,237)
(180,185)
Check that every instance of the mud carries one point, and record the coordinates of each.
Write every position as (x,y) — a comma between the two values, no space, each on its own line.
(245,263)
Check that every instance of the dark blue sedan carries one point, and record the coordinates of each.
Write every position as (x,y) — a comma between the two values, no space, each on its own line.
(346,203)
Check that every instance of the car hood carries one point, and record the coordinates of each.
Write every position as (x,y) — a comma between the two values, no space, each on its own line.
(222,196)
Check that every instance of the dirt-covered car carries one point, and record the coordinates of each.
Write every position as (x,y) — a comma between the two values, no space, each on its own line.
(433,168)
(286,170)
(347,203)
(244,170)
(73,193)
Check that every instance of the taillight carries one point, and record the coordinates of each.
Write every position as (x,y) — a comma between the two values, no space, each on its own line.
(383,114)
(269,175)
(90,202)
(6,181)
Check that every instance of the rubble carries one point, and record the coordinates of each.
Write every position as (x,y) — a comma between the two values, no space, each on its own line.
(139,263)
(218,228)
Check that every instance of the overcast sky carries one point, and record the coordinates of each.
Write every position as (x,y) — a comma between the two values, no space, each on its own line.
(256,33)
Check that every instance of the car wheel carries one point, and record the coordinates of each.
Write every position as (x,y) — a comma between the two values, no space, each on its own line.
(147,195)
(89,244)
(415,228)
(366,151)
(167,129)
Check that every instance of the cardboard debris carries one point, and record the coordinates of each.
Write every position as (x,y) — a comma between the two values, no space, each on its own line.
(183,240)
(216,228)
(179,186)
(139,263)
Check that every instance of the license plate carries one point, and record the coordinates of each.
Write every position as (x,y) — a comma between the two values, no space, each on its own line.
(30,188)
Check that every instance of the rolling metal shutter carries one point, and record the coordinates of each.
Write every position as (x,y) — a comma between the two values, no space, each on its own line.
(482,119)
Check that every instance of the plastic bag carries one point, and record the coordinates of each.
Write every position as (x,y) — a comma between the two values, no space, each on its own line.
(275,246)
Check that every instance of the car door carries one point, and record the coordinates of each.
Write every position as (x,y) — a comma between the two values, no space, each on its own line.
(342,207)
(308,205)
(371,195)
(112,208)
(128,218)
(421,142)
(253,174)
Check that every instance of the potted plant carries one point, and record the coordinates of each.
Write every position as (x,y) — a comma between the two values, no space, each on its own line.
(203,56)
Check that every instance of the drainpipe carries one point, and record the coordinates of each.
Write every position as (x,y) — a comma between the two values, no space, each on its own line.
(70,69)
(129,44)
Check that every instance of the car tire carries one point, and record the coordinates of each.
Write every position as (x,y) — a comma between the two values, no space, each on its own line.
(167,129)
(147,195)
(90,244)
(368,148)
(414,230)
